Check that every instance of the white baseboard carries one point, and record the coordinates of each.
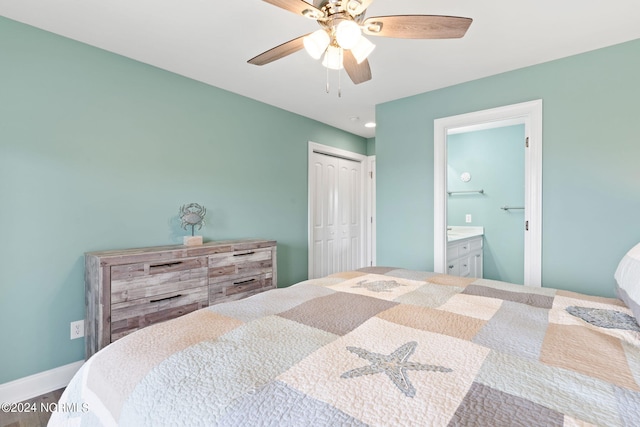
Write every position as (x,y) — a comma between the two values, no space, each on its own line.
(37,384)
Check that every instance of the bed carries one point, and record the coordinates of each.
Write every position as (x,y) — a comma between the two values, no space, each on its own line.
(378,347)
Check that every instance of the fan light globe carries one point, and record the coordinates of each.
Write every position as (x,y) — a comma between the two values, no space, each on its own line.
(316,43)
(362,49)
(348,34)
(333,58)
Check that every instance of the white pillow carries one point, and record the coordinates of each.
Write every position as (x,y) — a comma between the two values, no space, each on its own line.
(628,280)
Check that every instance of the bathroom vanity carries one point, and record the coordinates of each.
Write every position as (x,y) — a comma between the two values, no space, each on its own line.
(464,251)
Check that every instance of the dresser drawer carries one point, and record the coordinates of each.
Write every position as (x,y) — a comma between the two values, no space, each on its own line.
(145,280)
(129,289)
(130,316)
(241,287)
(239,263)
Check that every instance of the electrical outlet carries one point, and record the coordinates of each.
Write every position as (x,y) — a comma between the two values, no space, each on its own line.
(77,329)
(467,218)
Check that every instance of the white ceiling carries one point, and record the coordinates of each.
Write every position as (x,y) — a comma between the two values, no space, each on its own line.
(211,41)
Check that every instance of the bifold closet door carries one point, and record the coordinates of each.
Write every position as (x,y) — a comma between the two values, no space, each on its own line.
(337,215)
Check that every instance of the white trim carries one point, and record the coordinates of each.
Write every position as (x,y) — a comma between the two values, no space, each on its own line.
(371,214)
(314,147)
(529,113)
(486,126)
(38,384)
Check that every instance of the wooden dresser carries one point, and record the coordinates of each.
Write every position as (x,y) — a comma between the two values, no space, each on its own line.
(129,289)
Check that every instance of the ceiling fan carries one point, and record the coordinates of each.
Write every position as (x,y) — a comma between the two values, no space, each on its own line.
(340,39)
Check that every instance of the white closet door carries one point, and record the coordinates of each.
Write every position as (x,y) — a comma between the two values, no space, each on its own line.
(336,231)
(349,215)
(324,205)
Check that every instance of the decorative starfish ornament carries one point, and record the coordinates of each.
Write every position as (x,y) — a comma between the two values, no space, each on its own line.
(394,365)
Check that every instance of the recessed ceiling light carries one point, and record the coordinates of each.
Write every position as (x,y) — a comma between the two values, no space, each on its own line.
(370,124)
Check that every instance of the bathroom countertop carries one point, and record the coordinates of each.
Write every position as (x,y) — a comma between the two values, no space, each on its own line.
(460,232)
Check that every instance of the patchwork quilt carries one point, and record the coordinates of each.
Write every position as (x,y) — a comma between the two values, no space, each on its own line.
(373,347)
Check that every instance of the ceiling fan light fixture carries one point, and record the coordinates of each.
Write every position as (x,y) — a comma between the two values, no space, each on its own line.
(333,58)
(362,49)
(353,5)
(316,43)
(311,14)
(348,34)
(343,25)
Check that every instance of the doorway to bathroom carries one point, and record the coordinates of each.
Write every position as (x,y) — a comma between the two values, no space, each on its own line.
(452,185)
(485,188)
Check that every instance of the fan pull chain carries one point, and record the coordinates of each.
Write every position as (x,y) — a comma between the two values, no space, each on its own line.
(327,86)
(325,55)
(327,79)
(340,74)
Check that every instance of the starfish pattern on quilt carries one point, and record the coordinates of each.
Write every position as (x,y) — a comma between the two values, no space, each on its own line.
(378,285)
(610,319)
(394,365)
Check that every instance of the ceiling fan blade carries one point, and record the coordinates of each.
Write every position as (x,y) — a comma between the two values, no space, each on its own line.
(299,7)
(358,73)
(356,7)
(417,26)
(280,51)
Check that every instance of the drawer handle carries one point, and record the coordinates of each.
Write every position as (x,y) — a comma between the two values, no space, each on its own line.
(246,253)
(244,281)
(166,299)
(169,264)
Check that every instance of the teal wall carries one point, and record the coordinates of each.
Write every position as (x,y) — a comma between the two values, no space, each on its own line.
(98,152)
(591,152)
(371,147)
(495,160)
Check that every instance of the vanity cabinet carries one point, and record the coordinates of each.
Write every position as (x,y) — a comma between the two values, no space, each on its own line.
(126,290)
(464,257)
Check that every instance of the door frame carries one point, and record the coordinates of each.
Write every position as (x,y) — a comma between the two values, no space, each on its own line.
(529,113)
(365,198)
(371,212)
